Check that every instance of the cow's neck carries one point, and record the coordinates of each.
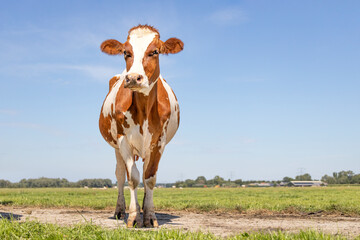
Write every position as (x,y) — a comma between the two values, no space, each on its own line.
(144,103)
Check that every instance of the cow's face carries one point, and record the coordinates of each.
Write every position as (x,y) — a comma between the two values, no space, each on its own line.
(141,52)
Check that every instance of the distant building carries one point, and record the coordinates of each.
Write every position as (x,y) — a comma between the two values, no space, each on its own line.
(308,183)
(263,184)
(285,184)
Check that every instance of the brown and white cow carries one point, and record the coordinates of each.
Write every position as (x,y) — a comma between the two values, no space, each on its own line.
(139,116)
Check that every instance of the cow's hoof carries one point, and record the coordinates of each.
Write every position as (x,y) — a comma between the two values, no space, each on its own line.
(119,215)
(150,221)
(134,220)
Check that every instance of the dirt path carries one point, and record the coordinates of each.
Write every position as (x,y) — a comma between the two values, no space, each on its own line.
(219,224)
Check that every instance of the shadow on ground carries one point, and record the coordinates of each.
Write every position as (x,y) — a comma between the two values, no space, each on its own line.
(164,218)
(9,216)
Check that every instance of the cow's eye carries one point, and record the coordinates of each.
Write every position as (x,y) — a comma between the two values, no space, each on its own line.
(155,52)
(126,54)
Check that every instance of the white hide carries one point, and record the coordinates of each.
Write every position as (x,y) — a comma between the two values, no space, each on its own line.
(174,106)
(127,156)
(140,39)
(148,200)
(110,99)
(140,143)
(120,176)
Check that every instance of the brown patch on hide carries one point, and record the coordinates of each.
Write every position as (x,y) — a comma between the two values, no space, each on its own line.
(158,117)
(113,81)
(123,101)
(105,128)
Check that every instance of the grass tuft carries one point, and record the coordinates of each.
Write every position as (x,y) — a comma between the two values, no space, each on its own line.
(36,230)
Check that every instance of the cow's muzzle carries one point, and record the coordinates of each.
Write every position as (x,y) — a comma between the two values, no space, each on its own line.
(133,80)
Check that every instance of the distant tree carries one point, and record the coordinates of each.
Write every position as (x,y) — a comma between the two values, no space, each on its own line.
(5,183)
(335,176)
(328,179)
(43,182)
(238,182)
(287,179)
(356,179)
(95,183)
(304,177)
(344,177)
(180,184)
(189,183)
(218,180)
(200,180)
(346,173)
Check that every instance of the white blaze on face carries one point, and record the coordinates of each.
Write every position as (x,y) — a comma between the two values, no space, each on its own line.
(140,39)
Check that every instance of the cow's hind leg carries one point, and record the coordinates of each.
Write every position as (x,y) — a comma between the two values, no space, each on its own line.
(120,176)
(133,175)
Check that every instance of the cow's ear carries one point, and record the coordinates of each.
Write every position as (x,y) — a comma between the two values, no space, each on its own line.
(172,45)
(112,47)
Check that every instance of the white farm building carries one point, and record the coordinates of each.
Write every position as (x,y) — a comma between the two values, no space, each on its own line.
(308,183)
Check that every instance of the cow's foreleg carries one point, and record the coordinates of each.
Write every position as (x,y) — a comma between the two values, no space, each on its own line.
(150,169)
(150,219)
(120,176)
(133,177)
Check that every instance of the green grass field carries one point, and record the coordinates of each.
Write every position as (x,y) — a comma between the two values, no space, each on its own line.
(35,230)
(345,200)
(339,199)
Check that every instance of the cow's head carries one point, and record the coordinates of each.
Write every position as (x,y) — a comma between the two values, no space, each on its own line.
(141,52)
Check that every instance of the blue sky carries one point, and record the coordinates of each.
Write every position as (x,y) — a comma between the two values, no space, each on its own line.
(267,89)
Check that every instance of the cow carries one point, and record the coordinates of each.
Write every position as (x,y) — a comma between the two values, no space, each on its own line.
(139,116)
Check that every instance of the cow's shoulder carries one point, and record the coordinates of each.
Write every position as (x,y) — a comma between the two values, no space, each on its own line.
(113,80)
(123,100)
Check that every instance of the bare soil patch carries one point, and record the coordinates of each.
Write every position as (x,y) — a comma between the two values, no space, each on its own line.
(221,224)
